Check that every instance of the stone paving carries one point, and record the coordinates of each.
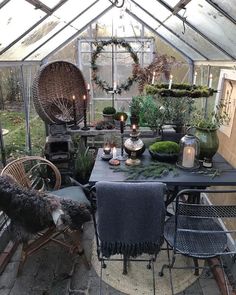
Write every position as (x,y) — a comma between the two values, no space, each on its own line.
(53,271)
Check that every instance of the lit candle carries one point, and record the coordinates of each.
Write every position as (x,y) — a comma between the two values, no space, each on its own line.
(114,86)
(195,78)
(122,124)
(170,82)
(114,153)
(74,109)
(134,128)
(210,81)
(88,87)
(84,99)
(153,77)
(107,149)
(188,157)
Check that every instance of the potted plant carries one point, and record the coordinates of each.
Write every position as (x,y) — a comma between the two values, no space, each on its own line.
(135,108)
(117,118)
(108,113)
(151,114)
(164,151)
(205,127)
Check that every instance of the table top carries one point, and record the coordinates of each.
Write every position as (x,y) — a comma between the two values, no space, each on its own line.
(227,176)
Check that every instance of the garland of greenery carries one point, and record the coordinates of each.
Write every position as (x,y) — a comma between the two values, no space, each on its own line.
(179,90)
(102,83)
(154,170)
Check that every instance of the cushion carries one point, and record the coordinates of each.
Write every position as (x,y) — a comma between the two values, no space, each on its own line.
(74,193)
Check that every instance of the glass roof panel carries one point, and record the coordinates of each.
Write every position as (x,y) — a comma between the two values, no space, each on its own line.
(195,39)
(68,32)
(46,30)
(175,41)
(227,6)
(13,23)
(71,9)
(171,3)
(213,24)
(50,3)
(158,9)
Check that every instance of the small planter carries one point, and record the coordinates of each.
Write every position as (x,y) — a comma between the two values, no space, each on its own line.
(161,157)
(108,118)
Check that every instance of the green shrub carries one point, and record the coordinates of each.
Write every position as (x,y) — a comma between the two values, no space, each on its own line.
(109,111)
(165,147)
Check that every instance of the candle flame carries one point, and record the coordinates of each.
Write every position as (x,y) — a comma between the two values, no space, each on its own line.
(73,97)
(171,76)
(195,73)
(84,97)
(122,118)
(210,76)
(88,86)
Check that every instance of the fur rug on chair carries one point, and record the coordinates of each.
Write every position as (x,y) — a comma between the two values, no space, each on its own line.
(31,211)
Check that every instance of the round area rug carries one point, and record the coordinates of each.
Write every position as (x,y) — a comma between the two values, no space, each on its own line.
(139,278)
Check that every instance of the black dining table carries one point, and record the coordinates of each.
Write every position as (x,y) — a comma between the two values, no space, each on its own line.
(199,178)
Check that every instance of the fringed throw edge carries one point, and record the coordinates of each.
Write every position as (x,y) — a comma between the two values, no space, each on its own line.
(131,250)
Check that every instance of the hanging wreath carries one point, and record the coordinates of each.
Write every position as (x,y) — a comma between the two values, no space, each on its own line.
(179,90)
(102,83)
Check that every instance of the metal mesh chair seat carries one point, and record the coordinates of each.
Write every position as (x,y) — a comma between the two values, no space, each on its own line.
(53,90)
(202,242)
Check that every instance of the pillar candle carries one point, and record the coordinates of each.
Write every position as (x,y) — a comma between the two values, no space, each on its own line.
(114,86)
(188,157)
(114,153)
(153,77)
(210,81)
(170,82)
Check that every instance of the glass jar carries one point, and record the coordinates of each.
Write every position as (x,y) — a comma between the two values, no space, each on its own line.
(189,152)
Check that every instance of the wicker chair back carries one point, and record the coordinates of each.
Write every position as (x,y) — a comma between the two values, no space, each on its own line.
(53,89)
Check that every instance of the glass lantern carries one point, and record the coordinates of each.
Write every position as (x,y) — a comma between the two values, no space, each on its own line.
(189,152)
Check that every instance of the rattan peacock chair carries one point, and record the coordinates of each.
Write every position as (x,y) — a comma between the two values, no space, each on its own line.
(53,89)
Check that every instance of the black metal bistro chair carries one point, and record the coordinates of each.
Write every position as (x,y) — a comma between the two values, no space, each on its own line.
(130,222)
(198,230)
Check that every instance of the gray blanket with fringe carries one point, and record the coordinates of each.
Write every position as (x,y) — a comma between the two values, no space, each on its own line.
(130,217)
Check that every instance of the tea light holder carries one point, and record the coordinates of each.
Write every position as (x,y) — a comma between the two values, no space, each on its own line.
(106,155)
(189,152)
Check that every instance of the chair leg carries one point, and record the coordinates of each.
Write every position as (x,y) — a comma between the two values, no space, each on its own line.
(196,266)
(170,264)
(125,265)
(153,277)
(22,258)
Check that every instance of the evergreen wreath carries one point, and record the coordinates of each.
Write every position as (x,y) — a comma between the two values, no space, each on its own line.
(179,90)
(102,83)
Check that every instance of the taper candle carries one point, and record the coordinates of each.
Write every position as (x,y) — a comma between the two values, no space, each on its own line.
(195,78)
(74,109)
(210,81)
(170,82)
(122,124)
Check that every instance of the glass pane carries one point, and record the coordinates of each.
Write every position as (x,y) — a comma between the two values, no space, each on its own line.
(155,8)
(194,39)
(71,9)
(171,3)
(77,25)
(213,24)
(50,3)
(175,41)
(227,6)
(13,24)
(48,28)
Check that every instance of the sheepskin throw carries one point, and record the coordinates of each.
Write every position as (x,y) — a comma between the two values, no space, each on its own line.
(130,217)
(31,211)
